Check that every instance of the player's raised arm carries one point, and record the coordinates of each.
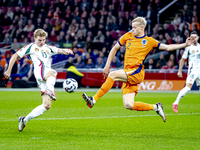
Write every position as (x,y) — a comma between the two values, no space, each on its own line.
(10,66)
(111,55)
(172,47)
(65,51)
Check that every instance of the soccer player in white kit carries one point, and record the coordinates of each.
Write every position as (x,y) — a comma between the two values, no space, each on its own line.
(191,52)
(40,54)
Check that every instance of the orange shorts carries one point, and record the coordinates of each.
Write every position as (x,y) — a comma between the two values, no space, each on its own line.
(134,77)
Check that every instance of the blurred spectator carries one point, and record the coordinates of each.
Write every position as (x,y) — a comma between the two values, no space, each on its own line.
(99,38)
(168,39)
(44,5)
(185,17)
(115,63)
(122,6)
(99,63)
(76,51)
(23,19)
(161,39)
(139,11)
(6,21)
(104,4)
(89,64)
(194,24)
(4,3)
(53,36)
(12,3)
(150,65)
(151,18)
(38,24)
(108,39)
(15,45)
(176,21)
(161,62)
(110,16)
(183,23)
(121,25)
(79,63)
(29,27)
(69,62)
(36,8)
(11,31)
(177,38)
(95,4)
(10,13)
(82,30)
(110,25)
(17,12)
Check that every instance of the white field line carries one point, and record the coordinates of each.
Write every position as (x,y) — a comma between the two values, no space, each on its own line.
(105,117)
(92,90)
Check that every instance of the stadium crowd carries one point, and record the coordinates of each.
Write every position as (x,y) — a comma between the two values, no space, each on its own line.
(90,28)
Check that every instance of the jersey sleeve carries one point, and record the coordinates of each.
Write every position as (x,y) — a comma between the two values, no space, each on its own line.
(53,49)
(154,43)
(25,50)
(185,54)
(122,40)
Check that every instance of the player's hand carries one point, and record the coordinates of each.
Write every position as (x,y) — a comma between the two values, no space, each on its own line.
(190,40)
(7,74)
(106,71)
(68,51)
(180,75)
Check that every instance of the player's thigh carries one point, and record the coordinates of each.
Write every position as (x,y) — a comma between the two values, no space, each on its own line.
(128,100)
(118,75)
(192,77)
(50,72)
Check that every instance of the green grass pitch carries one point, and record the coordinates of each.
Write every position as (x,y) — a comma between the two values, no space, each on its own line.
(70,124)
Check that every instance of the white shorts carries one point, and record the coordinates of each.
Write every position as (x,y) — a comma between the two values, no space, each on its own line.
(194,75)
(40,73)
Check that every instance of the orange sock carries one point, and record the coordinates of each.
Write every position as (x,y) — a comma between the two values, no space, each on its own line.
(139,106)
(104,88)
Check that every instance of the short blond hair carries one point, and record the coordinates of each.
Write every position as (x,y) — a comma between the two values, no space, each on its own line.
(140,20)
(40,33)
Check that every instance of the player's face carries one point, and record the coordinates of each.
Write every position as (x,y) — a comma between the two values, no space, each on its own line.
(196,38)
(40,41)
(137,29)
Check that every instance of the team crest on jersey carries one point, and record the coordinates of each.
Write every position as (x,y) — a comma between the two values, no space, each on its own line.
(144,42)
(193,51)
(36,49)
(47,51)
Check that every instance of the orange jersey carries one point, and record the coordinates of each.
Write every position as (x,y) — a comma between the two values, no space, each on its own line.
(137,48)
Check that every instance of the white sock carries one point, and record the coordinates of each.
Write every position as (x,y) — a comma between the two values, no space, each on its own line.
(51,82)
(35,113)
(155,108)
(181,94)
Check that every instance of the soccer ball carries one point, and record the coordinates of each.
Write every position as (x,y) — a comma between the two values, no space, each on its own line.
(70,85)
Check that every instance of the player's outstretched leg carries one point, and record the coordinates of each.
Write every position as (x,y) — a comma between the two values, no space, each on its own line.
(89,100)
(160,111)
(21,123)
(175,108)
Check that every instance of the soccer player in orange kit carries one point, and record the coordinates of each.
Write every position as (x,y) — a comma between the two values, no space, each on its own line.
(138,45)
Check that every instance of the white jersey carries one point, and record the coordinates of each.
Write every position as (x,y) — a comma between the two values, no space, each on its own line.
(39,55)
(193,54)
(41,58)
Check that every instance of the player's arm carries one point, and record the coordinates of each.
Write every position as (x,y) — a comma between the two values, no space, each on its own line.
(172,47)
(65,51)
(181,63)
(111,55)
(10,66)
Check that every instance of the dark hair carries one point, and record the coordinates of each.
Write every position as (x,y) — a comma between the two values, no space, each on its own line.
(194,32)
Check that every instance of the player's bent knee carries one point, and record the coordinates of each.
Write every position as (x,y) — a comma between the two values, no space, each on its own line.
(128,105)
(112,74)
